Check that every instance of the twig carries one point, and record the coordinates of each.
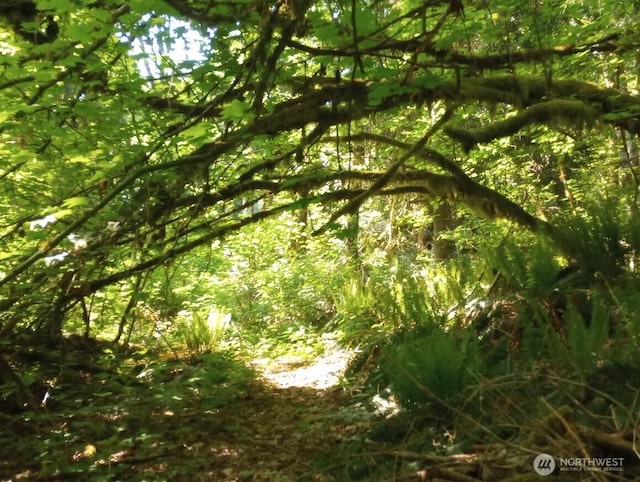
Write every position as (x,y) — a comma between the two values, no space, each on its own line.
(447,474)
(572,433)
(567,427)
(436,459)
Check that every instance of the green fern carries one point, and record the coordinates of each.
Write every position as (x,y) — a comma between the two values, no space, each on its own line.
(587,338)
(431,370)
(199,333)
(530,270)
(599,238)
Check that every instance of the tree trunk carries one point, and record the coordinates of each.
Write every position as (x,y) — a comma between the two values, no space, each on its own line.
(443,222)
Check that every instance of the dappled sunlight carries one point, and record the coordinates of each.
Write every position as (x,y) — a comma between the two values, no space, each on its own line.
(323,373)
(298,241)
(209,416)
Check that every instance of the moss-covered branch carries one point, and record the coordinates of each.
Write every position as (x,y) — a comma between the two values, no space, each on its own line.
(460,190)
(453,58)
(430,155)
(554,112)
(568,102)
(609,43)
(613,106)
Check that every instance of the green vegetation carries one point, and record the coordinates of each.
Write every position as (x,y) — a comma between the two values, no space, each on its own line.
(207,208)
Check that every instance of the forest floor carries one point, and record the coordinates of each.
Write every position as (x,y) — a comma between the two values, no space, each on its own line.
(182,423)
(290,426)
(151,417)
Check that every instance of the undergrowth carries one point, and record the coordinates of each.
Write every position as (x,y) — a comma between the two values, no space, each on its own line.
(106,424)
(535,350)
(521,348)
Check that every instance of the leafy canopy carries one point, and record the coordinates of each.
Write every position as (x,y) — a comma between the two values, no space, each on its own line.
(135,133)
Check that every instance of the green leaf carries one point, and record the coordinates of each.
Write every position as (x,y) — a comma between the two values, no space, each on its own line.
(378,93)
(8,255)
(299,204)
(236,111)
(82,33)
(62,213)
(74,202)
(328,31)
(101,15)
(197,131)
(383,73)
(56,5)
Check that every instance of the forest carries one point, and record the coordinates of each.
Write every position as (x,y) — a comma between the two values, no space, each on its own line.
(319,240)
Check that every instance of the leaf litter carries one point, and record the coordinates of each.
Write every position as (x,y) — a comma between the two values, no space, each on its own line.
(209,418)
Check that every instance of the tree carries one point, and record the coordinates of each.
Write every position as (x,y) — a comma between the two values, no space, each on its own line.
(120,153)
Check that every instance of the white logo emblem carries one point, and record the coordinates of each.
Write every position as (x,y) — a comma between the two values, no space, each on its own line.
(544,464)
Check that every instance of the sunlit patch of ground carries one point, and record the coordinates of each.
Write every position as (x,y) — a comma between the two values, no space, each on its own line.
(325,372)
(286,424)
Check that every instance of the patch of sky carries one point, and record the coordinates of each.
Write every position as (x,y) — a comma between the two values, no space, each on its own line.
(166,45)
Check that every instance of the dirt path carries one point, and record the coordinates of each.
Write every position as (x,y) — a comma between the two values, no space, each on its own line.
(188,422)
(285,372)
(278,433)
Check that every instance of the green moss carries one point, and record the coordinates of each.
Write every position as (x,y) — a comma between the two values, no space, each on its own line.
(557,112)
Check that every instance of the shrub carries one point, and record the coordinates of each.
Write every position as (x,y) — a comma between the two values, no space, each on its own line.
(200,333)
(431,370)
